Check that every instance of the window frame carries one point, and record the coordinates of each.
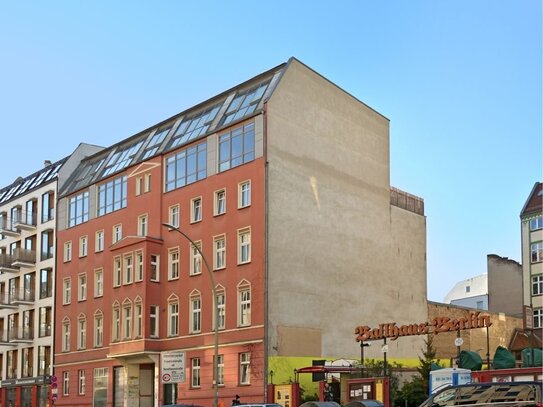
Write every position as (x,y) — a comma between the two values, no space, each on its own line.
(195,258)
(219,253)
(99,241)
(83,246)
(536,252)
(537,285)
(98,282)
(219,202)
(244,246)
(244,194)
(173,263)
(67,256)
(82,287)
(244,377)
(196,208)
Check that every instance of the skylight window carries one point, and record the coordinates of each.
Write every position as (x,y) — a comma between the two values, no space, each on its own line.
(244,103)
(155,142)
(26,184)
(194,126)
(121,159)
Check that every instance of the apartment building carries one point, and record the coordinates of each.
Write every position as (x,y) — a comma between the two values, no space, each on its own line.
(283,183)
(27,278)
(531,220)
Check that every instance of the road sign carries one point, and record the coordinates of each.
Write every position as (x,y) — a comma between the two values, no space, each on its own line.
(172,367)
(458,341)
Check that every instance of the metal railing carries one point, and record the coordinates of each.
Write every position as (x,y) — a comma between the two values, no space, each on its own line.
(6,260)
(24,295)
(21,334)
(24,255)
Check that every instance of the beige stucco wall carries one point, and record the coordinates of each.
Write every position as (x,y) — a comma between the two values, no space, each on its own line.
(504,285)
(338,254)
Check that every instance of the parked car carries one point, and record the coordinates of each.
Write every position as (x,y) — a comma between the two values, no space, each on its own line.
(364,403)
(506,394)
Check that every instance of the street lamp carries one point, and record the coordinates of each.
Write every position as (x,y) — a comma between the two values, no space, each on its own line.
(216,309)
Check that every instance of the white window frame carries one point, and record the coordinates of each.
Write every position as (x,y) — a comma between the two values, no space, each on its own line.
(219,205)
(155,265)
(536,252)
(139,265)
(536,223)
(67,251)
(98,282)
(66,327)
(195,365)
(81,286)
(245,368)
(244,194)
(143,225)
(537,285)
(244,245)
(173,215)
(116,323)
(173,263)
(117,271)
(65,383)
(220,370)
(196,207)
(154,312)
(173,317)
(81,382)
(128,268)
(127,320)
(83,246)
(98,329)
(244,304)
(219,252)
(195,306)
(67,291)
(117,232)
(138,319)
(221,305)
(99,242)
(538,318)
(81,332)
(195,258)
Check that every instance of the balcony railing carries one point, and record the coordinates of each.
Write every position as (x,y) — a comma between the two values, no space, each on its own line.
(7,227)
(25,220)
(4,337)
(45,330)
(24,258)
(48,253)
(404,200)
(5,301)
(21,335)
(6,263)
(23,296)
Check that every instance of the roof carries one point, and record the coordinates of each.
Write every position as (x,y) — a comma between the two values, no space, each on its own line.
(478,285)
(24,185)
(521,339)
(534,203)
(231,106)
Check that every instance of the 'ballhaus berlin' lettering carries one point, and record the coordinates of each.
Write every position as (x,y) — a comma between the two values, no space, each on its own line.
(438,325)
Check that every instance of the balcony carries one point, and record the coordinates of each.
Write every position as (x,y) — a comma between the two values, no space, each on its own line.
(45,330)
(6,264)
(22,297)
(7,228)
(21,335)
(5,302)
(25,221)
(24,258)
(4,338)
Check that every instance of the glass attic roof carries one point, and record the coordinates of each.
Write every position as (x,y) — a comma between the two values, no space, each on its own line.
(197,122)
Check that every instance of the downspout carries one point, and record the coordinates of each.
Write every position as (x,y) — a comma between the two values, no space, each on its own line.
(266,297)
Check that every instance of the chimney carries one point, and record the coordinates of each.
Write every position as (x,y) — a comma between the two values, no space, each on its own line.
(47,163)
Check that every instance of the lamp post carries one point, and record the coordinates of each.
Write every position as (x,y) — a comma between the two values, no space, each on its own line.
(362,346)
(216,309)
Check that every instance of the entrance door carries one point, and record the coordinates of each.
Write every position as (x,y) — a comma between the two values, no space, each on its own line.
(147,385)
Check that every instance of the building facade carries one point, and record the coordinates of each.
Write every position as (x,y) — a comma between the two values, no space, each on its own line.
(531,223)
(283,183)
(471,292)
(504,285)
(27,280)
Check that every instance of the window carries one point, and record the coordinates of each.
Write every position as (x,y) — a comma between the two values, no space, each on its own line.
(195,312)
(195,372)
(153,321)
(27,362)
(186,167)
(99,387)
(173,217)
(194,126)
(67,251)
(98,329)
(196,210)
(220,202)
(47,245)
(480,305)
(536,223)
(244,103)
(146,183)
(244,194)
(47,207)
(155,267)
(221,303)
(195,259)
(237,147)
(537,285)
(139,186)
(220,370)
(219,256)
(173,317)
(98,283)
(65,383)
(46,283)
(122,157)
(245,368)
(116,321)
(117,270)
(155,142)
(173,266)
(468,288)
(142,225)
(244,304)
(128,269)
(138,319)
(45,321)
(66,335)
(81,382)
(44,360)
(117,233)
(244,246)
(78,209)
(127,320)
(537,252)
(112,196)
(83,246)
(81,332)
(82,287)
(139,266)
(66,291)
(538,318)
(99,241)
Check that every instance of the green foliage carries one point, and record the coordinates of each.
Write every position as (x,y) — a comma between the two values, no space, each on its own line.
(425,362)
(411,394)
(376,368)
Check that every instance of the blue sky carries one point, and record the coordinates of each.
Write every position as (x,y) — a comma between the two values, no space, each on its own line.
(460,81)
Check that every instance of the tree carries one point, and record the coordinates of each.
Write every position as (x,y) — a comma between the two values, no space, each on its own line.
(427,361)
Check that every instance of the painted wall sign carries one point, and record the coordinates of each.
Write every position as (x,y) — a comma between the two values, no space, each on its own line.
(438,325)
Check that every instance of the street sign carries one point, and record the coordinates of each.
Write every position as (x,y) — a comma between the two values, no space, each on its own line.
(458,342)
(172,367)
(528,317)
